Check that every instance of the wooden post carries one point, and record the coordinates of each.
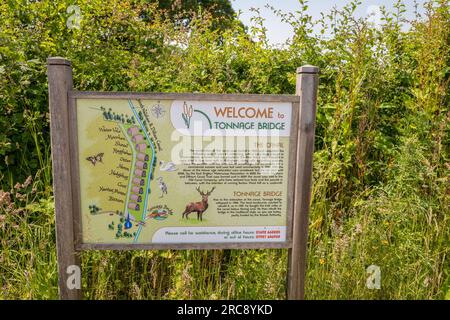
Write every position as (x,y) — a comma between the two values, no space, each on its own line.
(69,266)
(306,89)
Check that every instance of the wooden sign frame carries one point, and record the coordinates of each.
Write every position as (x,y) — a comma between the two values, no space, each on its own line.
(79,245)
(66,181)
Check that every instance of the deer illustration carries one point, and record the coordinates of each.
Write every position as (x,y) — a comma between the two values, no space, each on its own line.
(198,207)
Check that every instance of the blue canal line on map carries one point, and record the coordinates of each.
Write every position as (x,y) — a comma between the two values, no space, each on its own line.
(147,192)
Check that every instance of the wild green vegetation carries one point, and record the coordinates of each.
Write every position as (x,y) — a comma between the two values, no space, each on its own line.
(381,172)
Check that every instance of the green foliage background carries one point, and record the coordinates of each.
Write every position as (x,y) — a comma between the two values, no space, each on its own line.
(381,170)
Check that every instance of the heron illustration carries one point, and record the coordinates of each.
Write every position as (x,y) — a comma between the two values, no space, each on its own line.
(163,186)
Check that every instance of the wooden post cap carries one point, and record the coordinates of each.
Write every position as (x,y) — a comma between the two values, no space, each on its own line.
(58,61)
(308,69)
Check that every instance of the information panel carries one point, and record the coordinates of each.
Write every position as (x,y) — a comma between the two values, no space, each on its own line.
(183,171)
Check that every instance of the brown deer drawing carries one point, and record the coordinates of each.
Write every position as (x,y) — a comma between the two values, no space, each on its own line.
(198,207)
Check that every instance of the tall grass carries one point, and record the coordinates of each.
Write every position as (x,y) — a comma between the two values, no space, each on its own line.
(381,166)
